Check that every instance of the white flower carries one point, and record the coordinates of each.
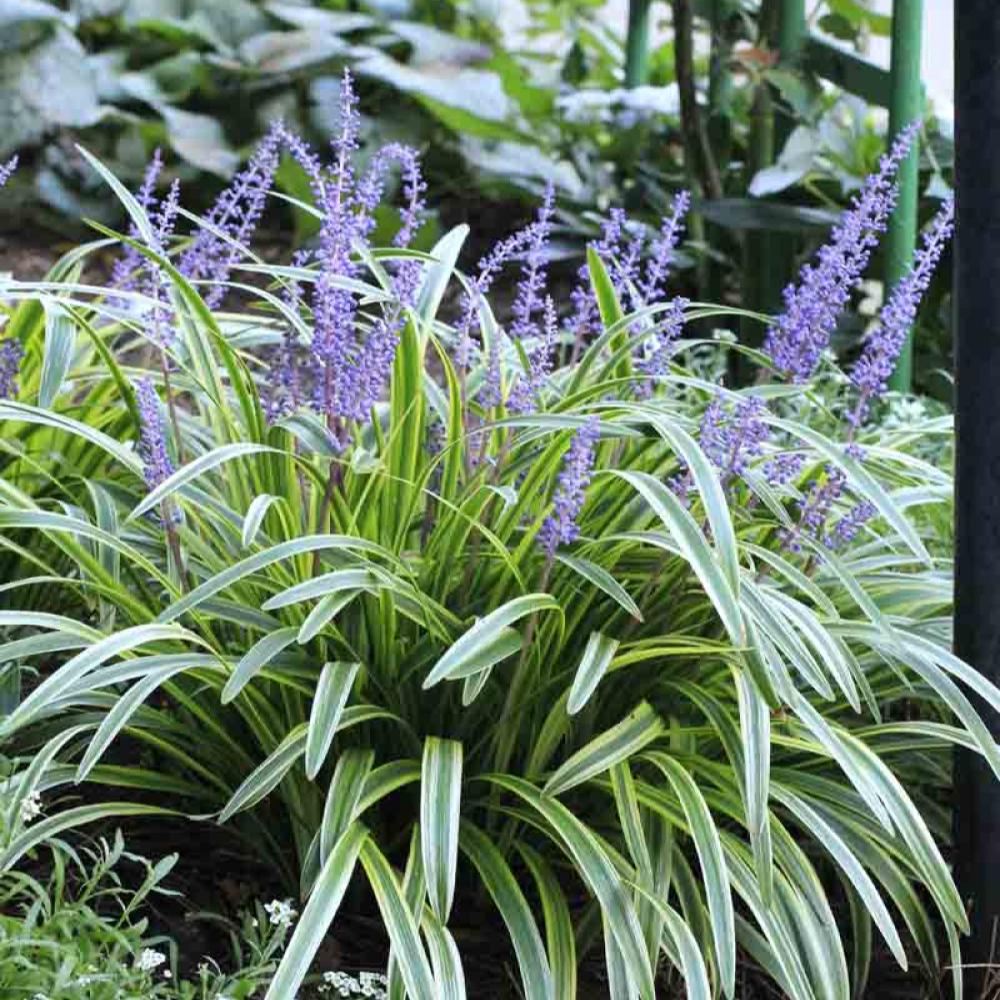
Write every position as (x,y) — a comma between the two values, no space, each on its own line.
(367,984)
(150,959)
(280,912)
(31,807)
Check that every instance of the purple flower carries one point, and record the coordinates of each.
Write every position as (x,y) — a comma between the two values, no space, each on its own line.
(7,170)
(349,375)
(871,372)
(152,441)
(664,246)
(489,267)
(369,193)
(622,268)
(783,468)
(659,348)
(237,211)
(11,353)
(846,529)
(560,527)
(680,485)
(528,299)
(731,436)
(284,393)
(813,306)
(525,393)
(125,273)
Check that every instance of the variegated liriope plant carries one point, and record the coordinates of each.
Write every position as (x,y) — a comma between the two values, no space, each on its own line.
(532,625)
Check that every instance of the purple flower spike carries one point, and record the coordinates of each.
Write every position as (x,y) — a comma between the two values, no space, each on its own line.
(846,529)
(560,527)
(235,213)
(489,267)
(152,441)
(883,345)
(660,348)
(731,436)
(783,468)
(621,269)
(124,275)
(813,306)
(524,395)
(664,247)
(7,170)
(530,288)
(11,353)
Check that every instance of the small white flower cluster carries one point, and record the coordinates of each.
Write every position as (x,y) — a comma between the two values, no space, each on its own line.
(280,912)
(31,807)
(367,984)
(149,959)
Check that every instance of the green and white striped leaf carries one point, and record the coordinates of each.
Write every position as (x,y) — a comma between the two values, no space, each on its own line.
(594,663)
(440,812)
(268,775)
(254,517)
(603,580)
(464,655)
(399,923)
(693,547)
(705,835)
(255,659)
(344,796)
(536,977)
(621,742)
(313,925)
(332,692)
(195,468)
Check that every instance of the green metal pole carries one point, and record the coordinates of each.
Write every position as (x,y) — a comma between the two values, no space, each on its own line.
(906,105)
(792,29)
(637,43)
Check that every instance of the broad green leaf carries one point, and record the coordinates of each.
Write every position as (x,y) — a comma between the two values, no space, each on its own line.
(440,812)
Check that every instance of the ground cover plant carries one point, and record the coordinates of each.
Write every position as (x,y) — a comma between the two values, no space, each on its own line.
(535,623)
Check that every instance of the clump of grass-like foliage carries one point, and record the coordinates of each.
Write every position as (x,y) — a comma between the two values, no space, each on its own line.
(537,620)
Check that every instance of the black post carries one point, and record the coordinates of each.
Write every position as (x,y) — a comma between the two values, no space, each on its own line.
(977,500)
